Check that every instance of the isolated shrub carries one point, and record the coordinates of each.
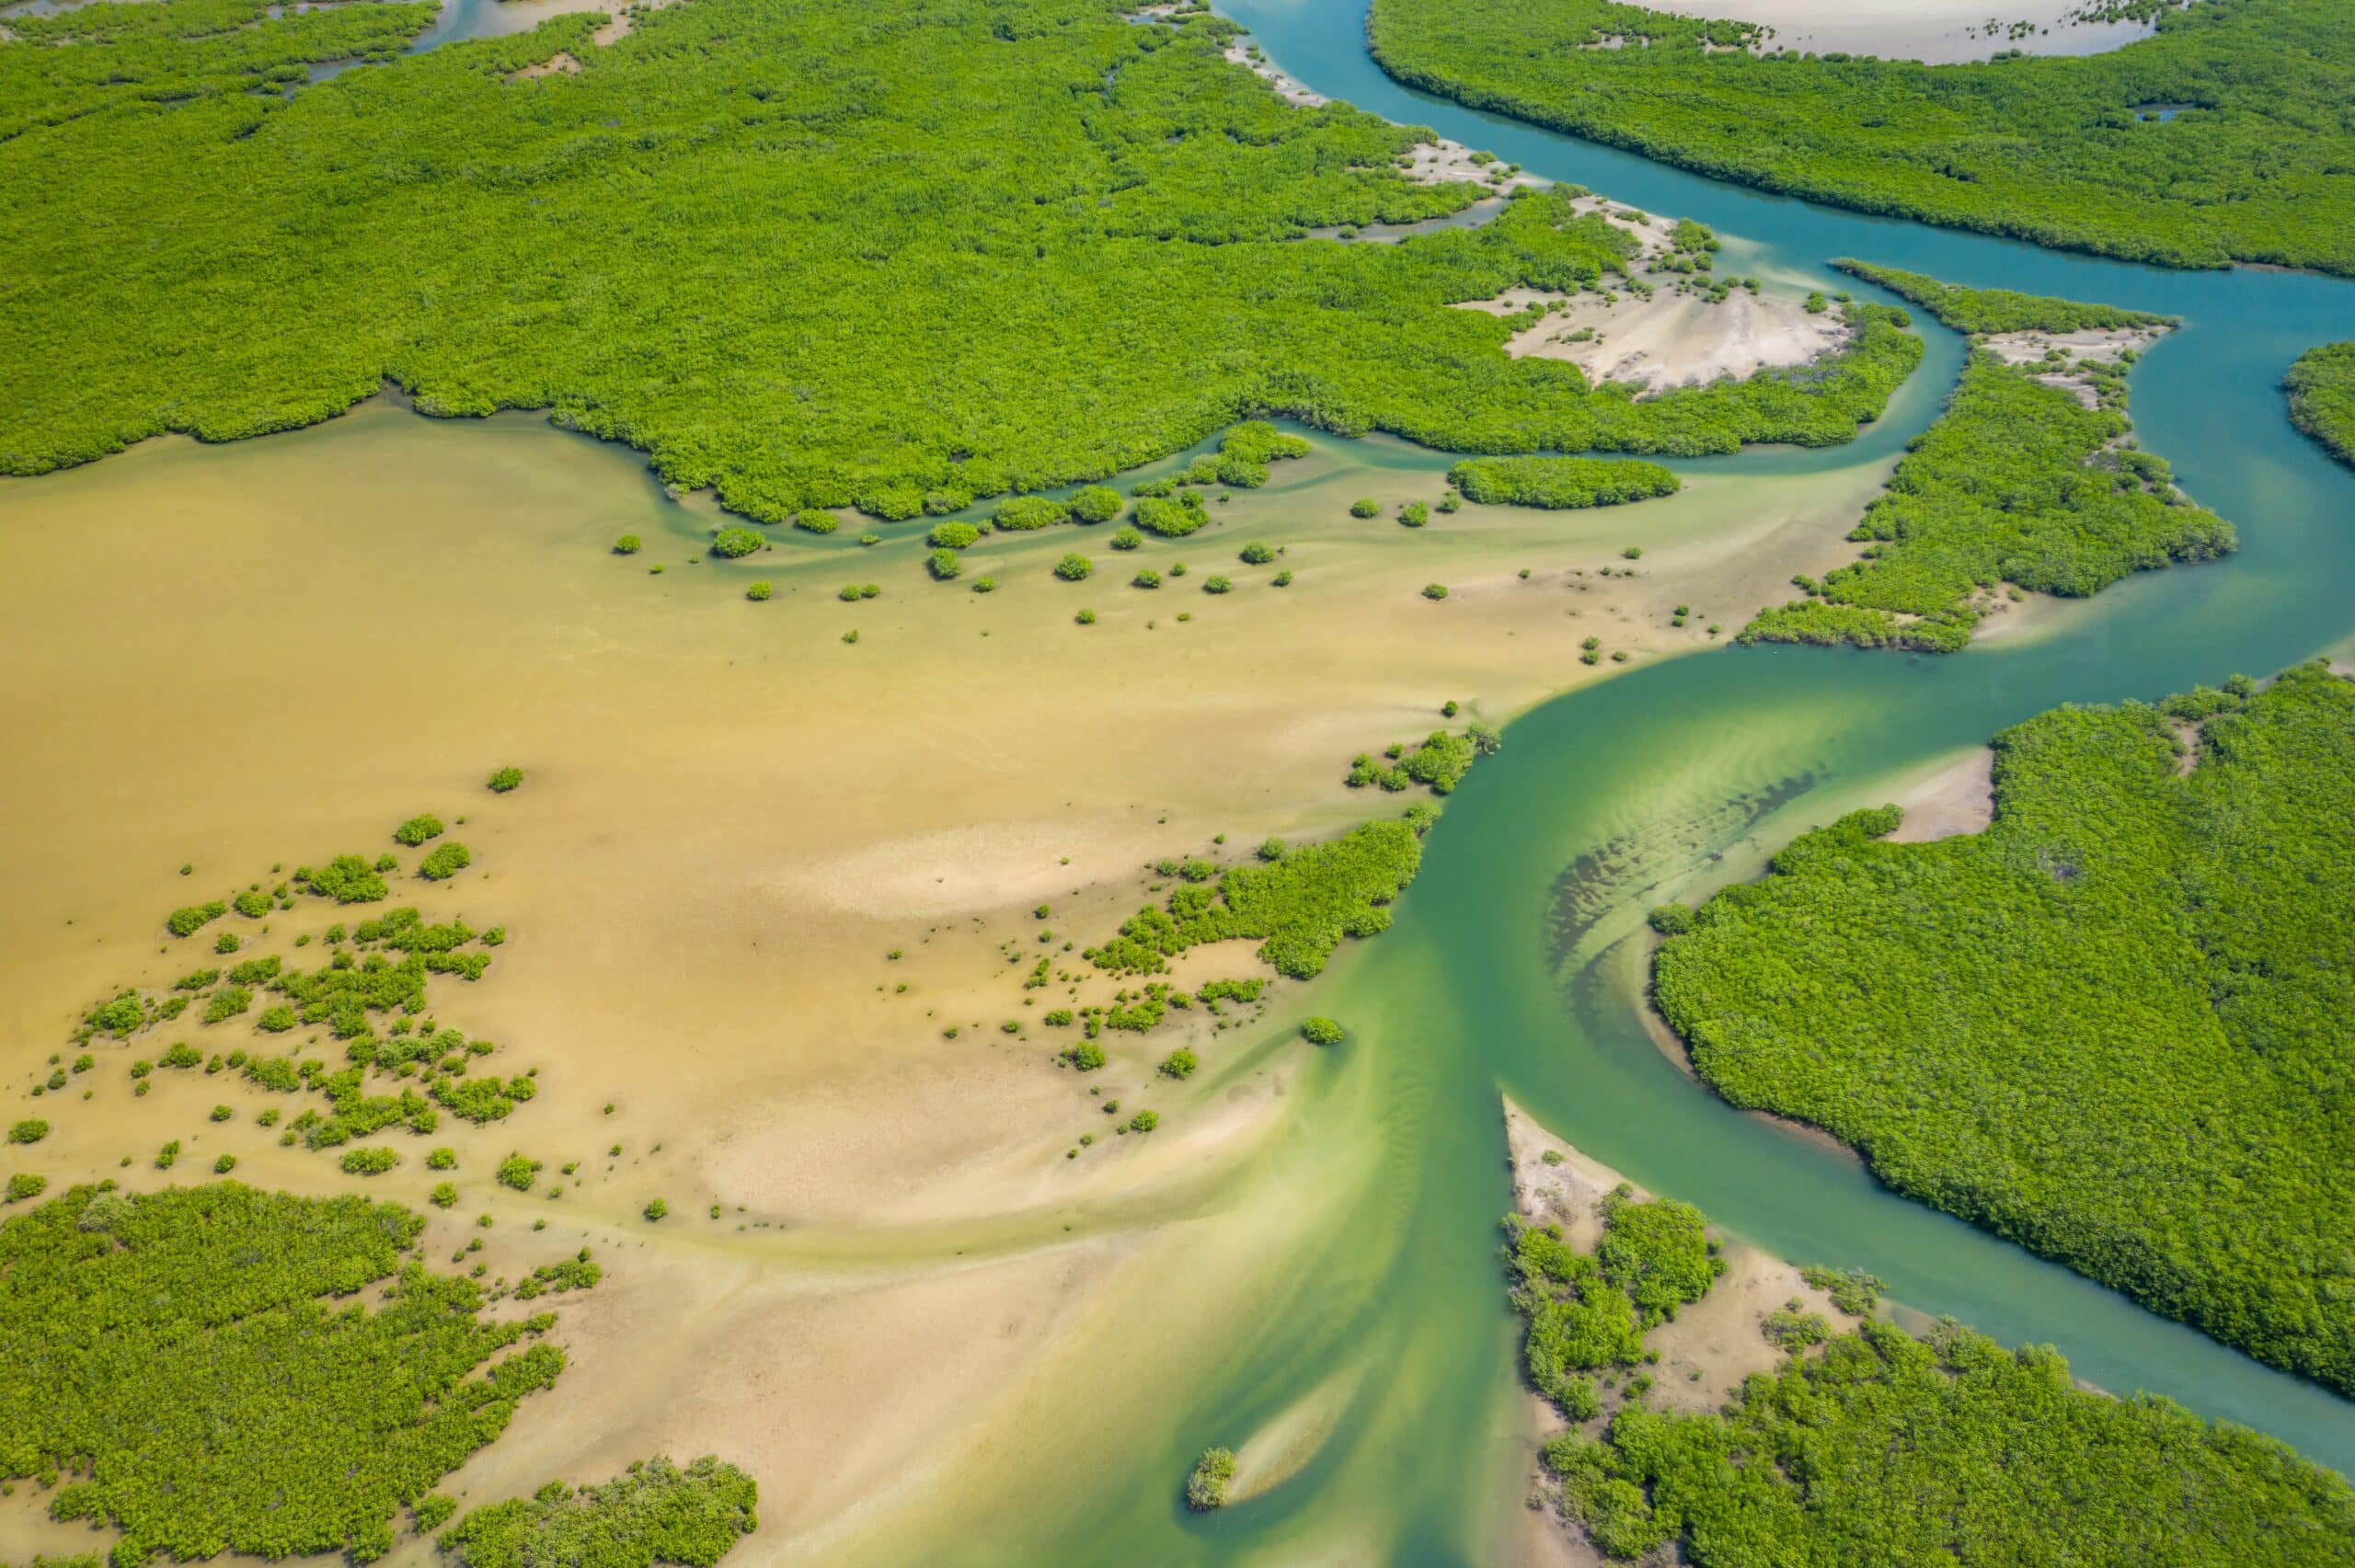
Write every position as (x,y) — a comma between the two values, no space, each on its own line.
(1126,539)
(943,565)
(1365,506)
(418,829)
(1434,590)
(627,545)
(953,536)
(1214,1473)
(1319,1030)
(505,778)
(519,1173)
(447,861)
(734,541)
(1216,585)
(369,1161)
(1024,514)
(1258,553)
(758,591)
(1179,1063)
(1073,568)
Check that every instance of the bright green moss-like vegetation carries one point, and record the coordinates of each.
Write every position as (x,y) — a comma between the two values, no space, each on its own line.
(1559,482)
(2066,151)
(1882,1448)
(445,861)
(1439,760)
(1214,1473)
(654,1512)
(1998,310)
(2018,482)
(2111,1026)
(2321,387)
(1583,1313)
(185,1355)
(934,254)
(1300,906)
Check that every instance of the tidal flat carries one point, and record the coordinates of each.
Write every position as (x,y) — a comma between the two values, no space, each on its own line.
(241,657)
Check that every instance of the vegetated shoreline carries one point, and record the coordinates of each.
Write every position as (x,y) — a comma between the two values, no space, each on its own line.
(1833,187)
(2037,1195)
(718,460)
(1829,1448)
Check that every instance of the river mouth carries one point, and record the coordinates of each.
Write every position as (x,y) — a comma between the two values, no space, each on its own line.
(702,914)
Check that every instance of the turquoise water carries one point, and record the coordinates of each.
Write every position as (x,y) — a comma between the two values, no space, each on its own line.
(1508,968)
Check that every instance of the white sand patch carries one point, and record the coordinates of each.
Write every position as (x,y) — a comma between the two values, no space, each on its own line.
(2100,343)
(1668,340)
(1933,31)
(1673,339)
(1958,797)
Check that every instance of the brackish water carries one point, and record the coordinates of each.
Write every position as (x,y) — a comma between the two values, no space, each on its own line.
(1664,782)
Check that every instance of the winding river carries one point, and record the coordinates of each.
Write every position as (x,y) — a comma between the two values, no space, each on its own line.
(1511,966)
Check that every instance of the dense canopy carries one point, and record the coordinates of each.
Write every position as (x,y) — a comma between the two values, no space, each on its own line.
(813,253)
(2230,135)
(2322,397)
(194,1356)
(2112,1026)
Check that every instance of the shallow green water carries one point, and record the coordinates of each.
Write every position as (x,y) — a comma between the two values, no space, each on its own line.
(1507,969)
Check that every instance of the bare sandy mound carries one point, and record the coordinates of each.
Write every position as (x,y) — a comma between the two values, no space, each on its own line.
(1673,339)
(1958,799)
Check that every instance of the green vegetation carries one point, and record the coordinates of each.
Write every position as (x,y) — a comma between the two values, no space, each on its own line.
(418,829)
(1258,553)
(187,921)
(1074,567)
(2059,151)
(347,879)
(1365,506)
(1884,1448)
(2107,1027)
(579,1272)
(1560,482)
(1144,1121)
(1584,1313)
(519,1173)
(734,541)
(1214,1473)
(953,536)
(1999,310)
(231,1402)
(653,1513)
(2321,387)
(1094,503)
(445,862)
(2017,482)
(1434,590)
(656,1208)
(32,1130)
(1300,906)
(372,1161)
(759,592)
(943,565)
(1179,1064)
(506,779)
(1318,1030)
(1439,760)
(1137,194)
(628,544)
(1025,514)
